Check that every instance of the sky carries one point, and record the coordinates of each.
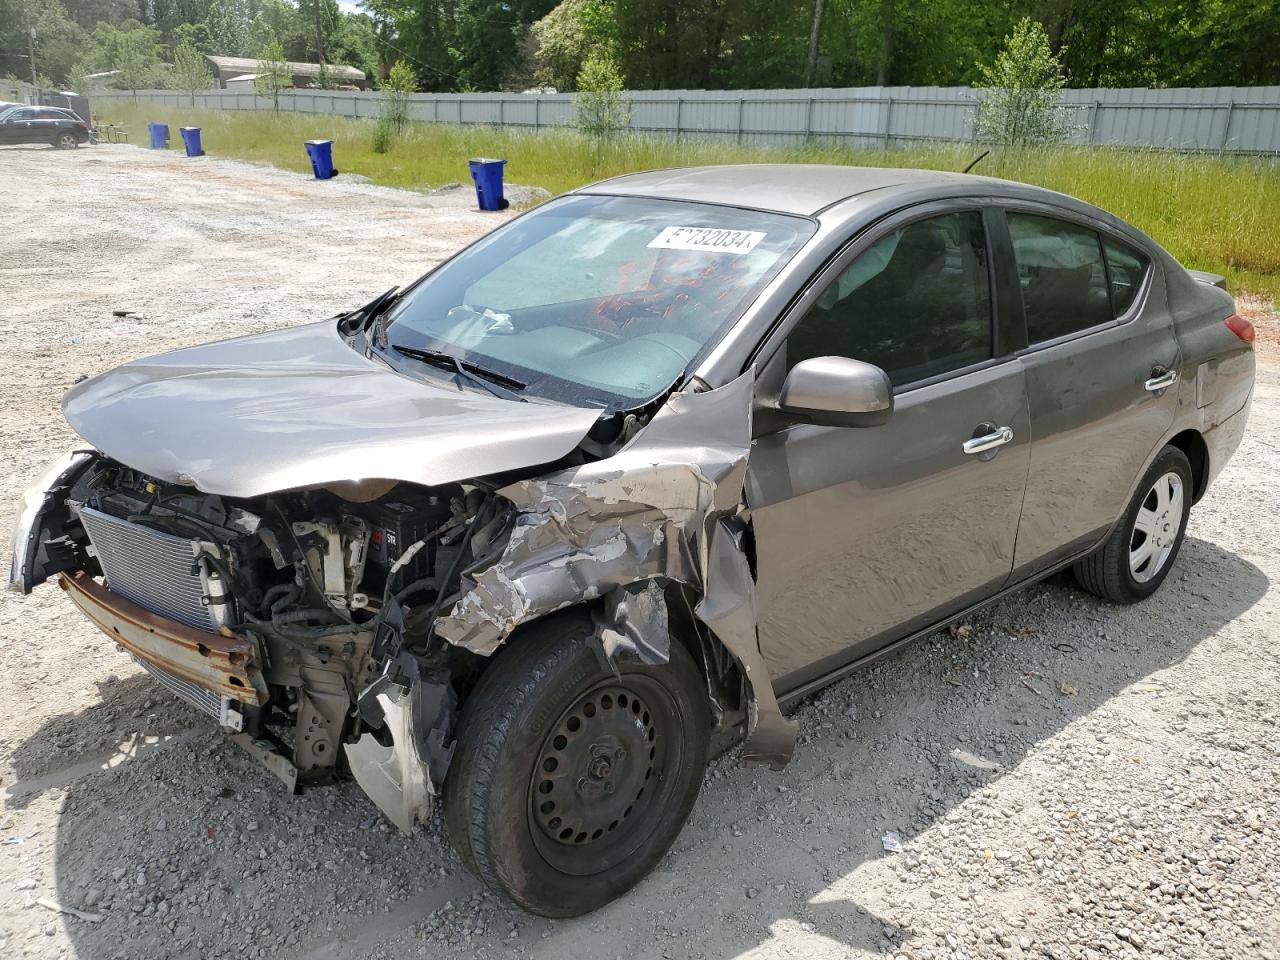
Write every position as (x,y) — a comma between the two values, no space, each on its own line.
(350,6)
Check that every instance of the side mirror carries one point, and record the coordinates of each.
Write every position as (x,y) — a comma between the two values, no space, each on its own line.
(837,392)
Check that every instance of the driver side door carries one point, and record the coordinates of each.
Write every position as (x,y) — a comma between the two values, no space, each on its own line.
(866,534)
(17,126)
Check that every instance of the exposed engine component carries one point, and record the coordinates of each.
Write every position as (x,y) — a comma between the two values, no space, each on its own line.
(332,594)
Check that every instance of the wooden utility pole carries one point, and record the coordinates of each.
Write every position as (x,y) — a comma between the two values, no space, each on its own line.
(812,60)
(31,42)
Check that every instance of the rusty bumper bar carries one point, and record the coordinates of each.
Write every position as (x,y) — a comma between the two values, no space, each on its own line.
(223,664)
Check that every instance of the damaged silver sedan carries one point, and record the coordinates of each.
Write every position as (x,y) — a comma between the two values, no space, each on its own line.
(628,475)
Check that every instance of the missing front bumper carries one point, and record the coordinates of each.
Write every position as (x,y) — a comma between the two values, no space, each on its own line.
(214,672)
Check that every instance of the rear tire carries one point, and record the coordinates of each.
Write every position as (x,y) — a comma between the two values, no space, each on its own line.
(570,782)
(1137,556)
(66,141)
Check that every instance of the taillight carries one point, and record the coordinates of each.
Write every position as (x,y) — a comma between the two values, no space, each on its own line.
(1241,327)
(82,125)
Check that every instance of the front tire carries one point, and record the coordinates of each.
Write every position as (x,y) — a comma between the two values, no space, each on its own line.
(1137,556)
(570,782)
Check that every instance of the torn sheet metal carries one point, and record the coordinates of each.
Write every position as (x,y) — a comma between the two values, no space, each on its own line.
(648,512)
(728,608)
(635,624)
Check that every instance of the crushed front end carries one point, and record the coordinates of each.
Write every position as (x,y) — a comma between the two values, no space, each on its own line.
(273,615)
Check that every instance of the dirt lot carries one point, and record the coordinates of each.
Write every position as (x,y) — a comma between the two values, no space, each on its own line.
(1069,779)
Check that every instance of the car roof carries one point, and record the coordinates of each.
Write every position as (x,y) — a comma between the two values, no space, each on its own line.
(796,188)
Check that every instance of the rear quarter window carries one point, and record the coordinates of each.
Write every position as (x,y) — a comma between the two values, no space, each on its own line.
(1062,276)
(1126,269)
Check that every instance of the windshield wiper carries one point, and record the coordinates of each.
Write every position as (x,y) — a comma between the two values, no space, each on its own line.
(499,384)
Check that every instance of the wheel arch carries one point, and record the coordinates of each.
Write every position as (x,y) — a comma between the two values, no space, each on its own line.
(1191,442)
(727,693)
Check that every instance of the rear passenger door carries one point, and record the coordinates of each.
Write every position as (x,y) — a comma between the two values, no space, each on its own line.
(1099,363)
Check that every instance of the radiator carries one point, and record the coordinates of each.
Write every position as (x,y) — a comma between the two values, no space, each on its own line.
(155,570)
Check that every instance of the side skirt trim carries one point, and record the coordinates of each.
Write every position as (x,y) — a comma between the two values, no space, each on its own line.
(791,697)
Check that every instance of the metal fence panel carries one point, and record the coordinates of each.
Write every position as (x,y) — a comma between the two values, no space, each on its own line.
(1227,119)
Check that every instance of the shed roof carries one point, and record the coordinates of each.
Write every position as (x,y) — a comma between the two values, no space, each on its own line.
(338,71)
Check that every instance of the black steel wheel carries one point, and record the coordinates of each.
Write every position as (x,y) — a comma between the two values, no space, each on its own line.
(570,782)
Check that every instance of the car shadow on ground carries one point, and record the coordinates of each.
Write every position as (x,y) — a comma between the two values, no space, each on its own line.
(760,853)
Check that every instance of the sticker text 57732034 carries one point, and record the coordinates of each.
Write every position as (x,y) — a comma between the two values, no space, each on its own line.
(707,239)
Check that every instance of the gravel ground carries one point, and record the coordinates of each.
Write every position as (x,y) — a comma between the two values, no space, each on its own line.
(1069,779)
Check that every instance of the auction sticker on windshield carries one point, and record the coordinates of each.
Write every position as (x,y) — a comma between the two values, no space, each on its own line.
(709,239)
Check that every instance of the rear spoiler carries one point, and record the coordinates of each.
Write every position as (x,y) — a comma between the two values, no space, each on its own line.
(1212,279)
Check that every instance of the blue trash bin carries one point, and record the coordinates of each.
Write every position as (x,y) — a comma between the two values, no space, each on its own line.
(321,154)
(487,174)
(191,140)
(159,135)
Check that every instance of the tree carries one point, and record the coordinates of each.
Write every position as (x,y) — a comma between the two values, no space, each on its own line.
(1023,105)
(189,70)
(229,27)
(394,115)
(133,60)
(197,34)
(274,74)
(78,79)
(318,21)
(568,35)
(602,108)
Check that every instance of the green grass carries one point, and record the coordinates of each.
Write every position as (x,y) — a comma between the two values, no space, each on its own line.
(1212,212)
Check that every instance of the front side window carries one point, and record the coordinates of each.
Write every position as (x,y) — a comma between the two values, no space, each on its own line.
(598,301)
(1062,276)
(916,303)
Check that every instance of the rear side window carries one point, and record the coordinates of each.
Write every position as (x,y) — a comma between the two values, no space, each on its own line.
(51,115)
(916,303)
(1062,276)
(1126,269)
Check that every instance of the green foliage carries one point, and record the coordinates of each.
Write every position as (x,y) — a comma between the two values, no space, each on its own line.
(393,117)
(384,134)
(1022,105)
(318,22)
(196,34)
(484,44)
(273,74)
(58,41)
(567,35)
(602,109)
(78,78)
(134,52)
(189,70)
(228,23)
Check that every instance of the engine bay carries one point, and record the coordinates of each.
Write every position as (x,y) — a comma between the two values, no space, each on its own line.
(334,593)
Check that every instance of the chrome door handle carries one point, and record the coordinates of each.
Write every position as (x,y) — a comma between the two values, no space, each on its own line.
(1161,381)
(989,441)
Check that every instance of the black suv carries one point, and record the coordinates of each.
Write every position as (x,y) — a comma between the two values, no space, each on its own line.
(53,125)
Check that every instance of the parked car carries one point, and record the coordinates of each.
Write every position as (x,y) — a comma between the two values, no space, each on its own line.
(636,470)
(53,125)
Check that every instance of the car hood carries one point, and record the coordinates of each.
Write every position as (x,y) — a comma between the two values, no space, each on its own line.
(300,408)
